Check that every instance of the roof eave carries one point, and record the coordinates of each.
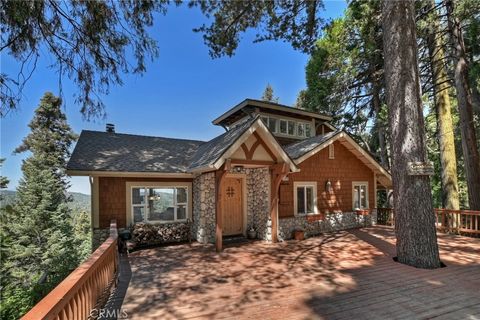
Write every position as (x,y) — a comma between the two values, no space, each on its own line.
(98,173)
(257,103)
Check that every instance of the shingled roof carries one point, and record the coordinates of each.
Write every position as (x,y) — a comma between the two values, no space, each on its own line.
(116,152)
(209,152)
(298,149)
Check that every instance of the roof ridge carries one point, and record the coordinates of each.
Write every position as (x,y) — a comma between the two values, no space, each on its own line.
(142,135)
(287,106)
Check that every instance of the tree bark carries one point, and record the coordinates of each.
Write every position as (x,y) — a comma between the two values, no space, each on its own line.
(471,156)
(414,217)
(380,128)
(446,141)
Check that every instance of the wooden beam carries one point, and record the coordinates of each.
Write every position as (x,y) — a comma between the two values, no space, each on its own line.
(219,178)
(278,173)
(253,162)
(245,150)
(265,146)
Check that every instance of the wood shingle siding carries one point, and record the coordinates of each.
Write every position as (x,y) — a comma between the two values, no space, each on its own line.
(112,197)
(341,171)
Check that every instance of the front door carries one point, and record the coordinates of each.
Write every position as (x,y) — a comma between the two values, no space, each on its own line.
(232,206)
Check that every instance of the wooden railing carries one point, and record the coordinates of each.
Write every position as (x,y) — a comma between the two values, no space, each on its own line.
(458,221)
(78,294)
(450,221)
(385,216)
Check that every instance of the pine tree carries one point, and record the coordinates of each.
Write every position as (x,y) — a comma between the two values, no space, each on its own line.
(268,94)
(42,249)
(414,222)
(442,103)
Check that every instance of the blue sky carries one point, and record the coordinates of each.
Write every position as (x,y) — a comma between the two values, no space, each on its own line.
(179,95)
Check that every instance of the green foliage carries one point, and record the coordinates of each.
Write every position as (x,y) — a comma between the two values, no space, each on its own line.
(296,22)
(346,67)
(3,180)
(268,94)
(91,42)
(40,248)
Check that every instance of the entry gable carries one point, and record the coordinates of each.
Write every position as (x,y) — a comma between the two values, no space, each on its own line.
(248,141)
(302,150)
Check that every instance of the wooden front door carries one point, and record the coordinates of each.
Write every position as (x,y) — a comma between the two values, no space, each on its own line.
(232,206)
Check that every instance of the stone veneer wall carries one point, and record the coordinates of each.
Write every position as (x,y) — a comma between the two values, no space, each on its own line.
(203,227)
(332,222)
(258,202)
(257,193)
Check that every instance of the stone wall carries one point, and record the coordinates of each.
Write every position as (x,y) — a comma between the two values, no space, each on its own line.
(257,193)
(258,202)
(203,227)
(332,222)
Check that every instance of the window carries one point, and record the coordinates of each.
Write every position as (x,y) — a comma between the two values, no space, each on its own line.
(272,124)
(283,126)
(301,130)
(331,151)
(159,204)
(360,195)
(291,128)
(305,198)
(308,130)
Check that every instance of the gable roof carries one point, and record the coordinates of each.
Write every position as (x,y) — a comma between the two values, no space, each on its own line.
(304,149)
(270,106)
(298,149)
(212,150)
(117,152)
(212,154)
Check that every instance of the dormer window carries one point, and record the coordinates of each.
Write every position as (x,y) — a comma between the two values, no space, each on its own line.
(308,130)
(283,126)
(301,130)
(272,124)
(291,128)
(288,128)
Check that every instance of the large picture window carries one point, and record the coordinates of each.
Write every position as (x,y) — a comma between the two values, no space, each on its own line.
(305,198)
(159,204)
(360,195)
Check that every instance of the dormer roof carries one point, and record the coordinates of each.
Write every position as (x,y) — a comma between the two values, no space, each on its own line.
(249,106)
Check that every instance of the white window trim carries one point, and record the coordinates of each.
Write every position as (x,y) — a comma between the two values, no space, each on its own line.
(151,184)
(295,122)
(297,184)
(331,151)
(357,184)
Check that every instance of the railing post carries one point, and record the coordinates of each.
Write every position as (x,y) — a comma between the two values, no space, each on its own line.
(78,293)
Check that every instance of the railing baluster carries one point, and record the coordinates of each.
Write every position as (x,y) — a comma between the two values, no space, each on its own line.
(450,221)
(78,294)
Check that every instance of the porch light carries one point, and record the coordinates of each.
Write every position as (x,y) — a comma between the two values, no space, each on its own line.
(328,186)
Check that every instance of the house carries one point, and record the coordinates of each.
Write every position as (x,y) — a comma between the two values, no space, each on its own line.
(276,169)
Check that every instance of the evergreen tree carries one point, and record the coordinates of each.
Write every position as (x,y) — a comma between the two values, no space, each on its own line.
(414,222)
(268,94)
(42,249)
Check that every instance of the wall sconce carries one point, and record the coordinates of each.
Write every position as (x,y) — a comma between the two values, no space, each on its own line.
(238,168)
(328,186)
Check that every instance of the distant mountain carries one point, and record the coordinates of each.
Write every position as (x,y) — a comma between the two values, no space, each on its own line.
(81,201)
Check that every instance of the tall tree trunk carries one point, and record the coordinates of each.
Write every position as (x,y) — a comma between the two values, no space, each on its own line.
(471,156)
(446,140)
(414,217)
(380,126)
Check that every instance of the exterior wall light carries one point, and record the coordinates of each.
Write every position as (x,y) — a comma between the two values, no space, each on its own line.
(328,186)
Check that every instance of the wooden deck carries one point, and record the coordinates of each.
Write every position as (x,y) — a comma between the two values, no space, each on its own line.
(345,275)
